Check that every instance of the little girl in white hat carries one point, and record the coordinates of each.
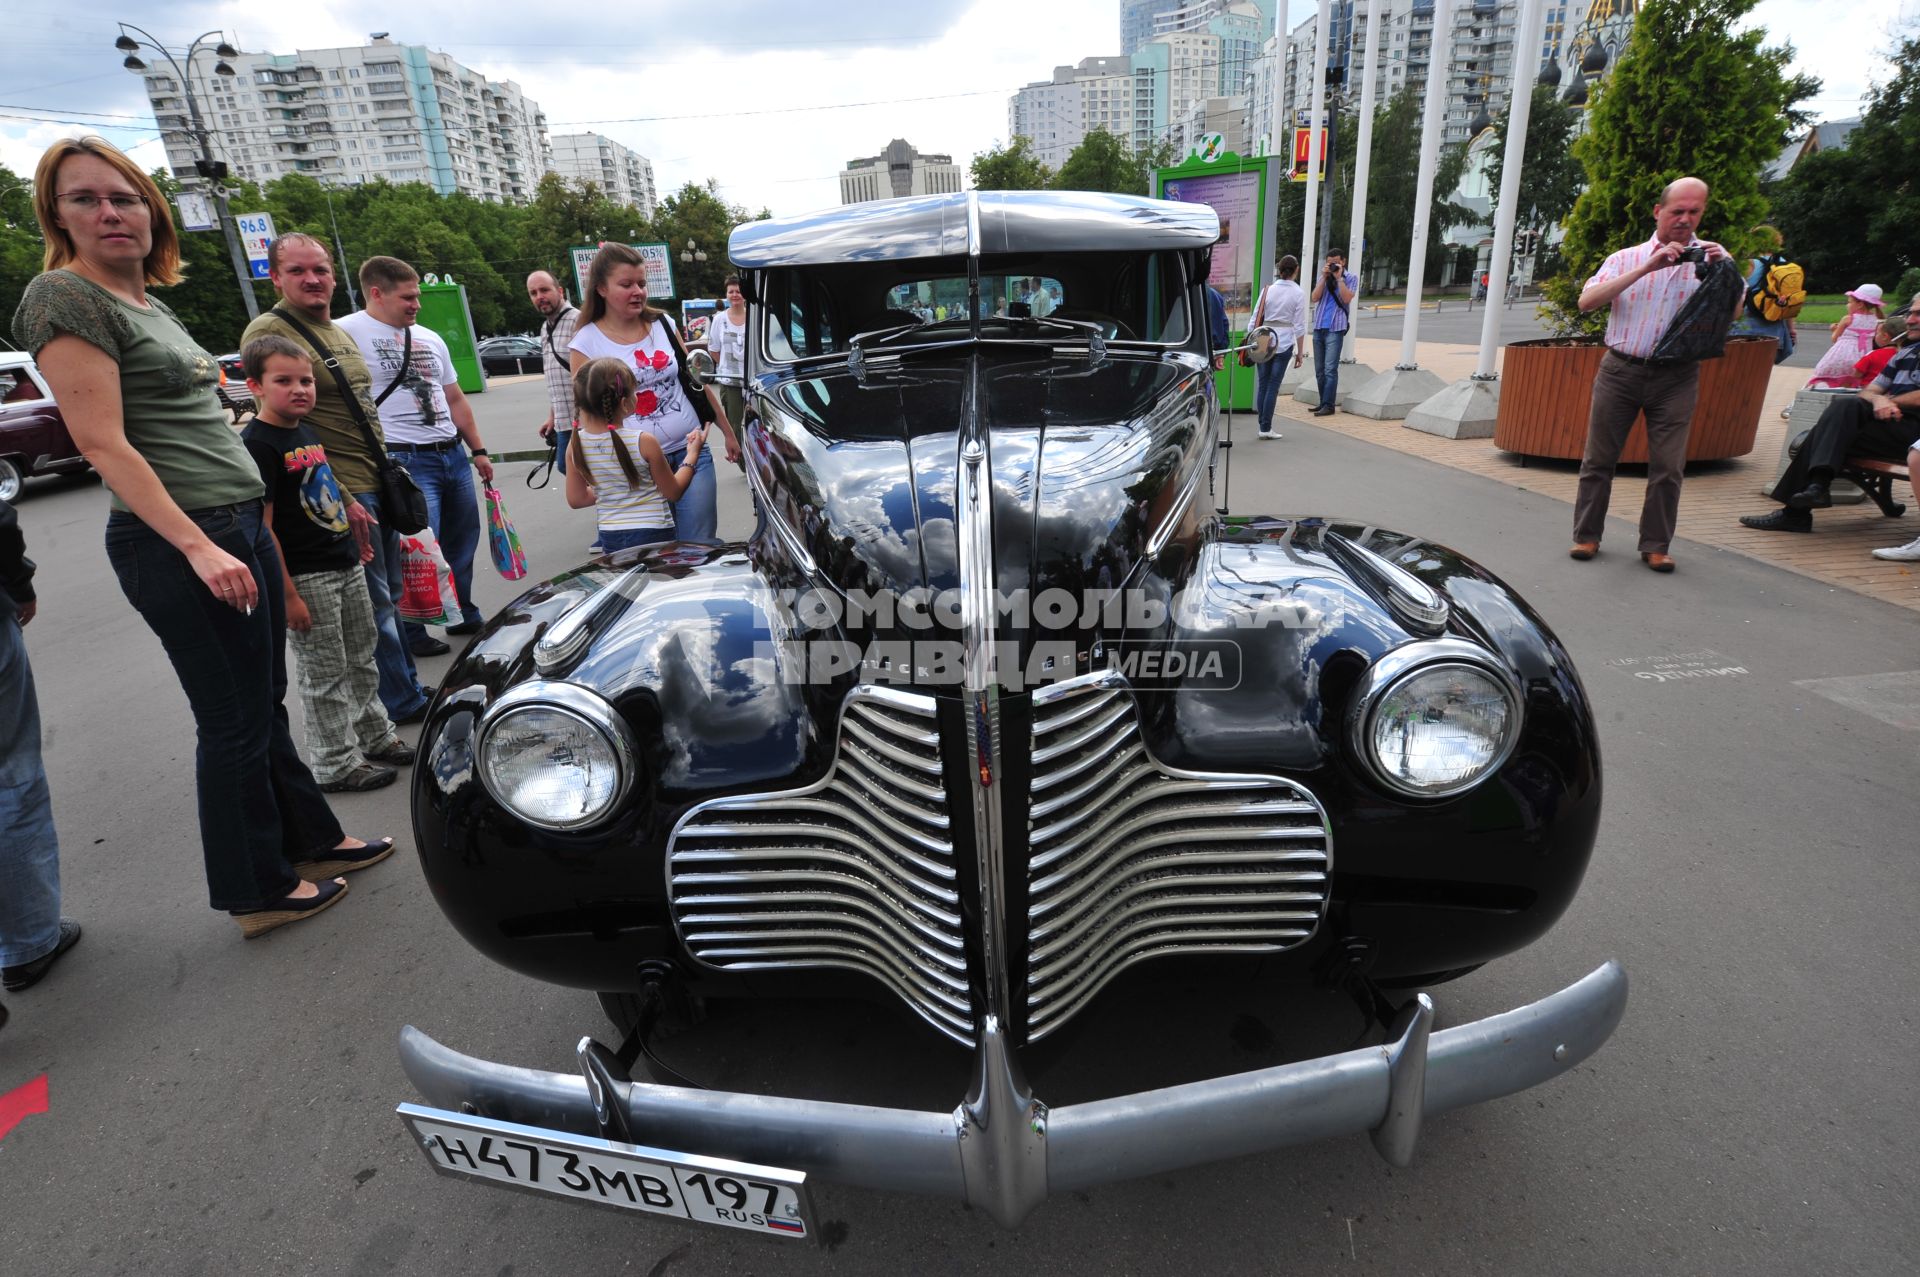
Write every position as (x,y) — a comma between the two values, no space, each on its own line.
(1852,338)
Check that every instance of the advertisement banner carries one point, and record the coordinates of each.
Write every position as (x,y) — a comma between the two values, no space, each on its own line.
(1235,198)
(1303,156)
(659,265)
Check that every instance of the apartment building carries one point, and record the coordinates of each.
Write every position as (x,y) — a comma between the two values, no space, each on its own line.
(898,170)
(625,176)
(1056,115)
(401,112)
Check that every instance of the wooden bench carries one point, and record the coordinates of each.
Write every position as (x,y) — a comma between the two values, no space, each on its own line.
(1877,478)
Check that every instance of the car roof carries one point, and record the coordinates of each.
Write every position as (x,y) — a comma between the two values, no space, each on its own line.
(988,222)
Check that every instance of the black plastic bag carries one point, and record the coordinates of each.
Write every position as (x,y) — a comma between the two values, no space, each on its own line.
(1699,330)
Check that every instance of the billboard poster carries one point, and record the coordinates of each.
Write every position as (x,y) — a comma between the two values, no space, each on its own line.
(1303,154)
(1235,198)
(659,266)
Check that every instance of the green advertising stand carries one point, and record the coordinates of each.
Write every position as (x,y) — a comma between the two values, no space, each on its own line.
(1241,192)
(443,309)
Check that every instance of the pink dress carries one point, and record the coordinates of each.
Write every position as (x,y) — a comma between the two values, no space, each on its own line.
(1835,368)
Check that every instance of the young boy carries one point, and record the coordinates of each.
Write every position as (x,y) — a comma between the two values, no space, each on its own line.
(329,614)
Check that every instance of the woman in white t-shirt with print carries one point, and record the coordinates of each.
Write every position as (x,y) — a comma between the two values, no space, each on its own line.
(618,468)
(617,323)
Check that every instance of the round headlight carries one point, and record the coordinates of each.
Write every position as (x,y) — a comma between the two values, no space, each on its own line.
(1440,728)
(555,756)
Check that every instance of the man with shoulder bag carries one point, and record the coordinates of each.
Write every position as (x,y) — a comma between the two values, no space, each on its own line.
(559,320)
(427,423)
(347,422)
(1656,337)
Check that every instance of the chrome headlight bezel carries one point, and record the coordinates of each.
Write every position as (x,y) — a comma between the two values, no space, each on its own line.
(1418,658)
(580,704)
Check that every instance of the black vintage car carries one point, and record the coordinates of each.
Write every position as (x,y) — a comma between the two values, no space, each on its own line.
(994,716)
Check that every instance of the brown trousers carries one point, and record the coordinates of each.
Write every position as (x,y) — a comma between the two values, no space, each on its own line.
(1621,391)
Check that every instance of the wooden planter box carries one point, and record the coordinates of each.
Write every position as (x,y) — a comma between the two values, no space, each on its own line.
(1546,390)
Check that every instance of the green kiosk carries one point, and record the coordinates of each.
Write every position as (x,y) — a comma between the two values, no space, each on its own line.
(1241,191)
(443,309)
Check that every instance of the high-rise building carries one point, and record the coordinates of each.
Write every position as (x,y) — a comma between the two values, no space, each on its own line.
(625,176)
(1056,115)
(1136,21)
(402,112)
(898,170)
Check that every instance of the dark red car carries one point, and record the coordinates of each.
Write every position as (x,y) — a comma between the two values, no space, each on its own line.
(33,437)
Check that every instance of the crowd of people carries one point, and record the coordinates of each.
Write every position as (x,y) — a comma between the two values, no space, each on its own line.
(234,545)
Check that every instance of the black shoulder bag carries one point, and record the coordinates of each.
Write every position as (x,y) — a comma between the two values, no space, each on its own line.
(403,507)
(696,395)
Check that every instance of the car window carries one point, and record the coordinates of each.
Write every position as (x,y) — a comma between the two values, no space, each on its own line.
(17,387)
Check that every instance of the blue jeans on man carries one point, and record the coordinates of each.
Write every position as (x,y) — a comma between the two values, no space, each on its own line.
(400,689)
(29,849)
(445,475)
(1327,345)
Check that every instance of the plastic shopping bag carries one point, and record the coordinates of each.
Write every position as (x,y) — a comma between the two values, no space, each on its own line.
(508,557)
(426,582)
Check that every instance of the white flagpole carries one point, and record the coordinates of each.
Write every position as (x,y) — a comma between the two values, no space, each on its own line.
(1519,111)
(1439,64)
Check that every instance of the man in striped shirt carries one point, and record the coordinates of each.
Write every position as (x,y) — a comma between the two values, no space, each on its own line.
(1644,287)
(556,333)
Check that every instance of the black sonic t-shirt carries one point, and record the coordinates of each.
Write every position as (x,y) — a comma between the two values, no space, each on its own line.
(309,508)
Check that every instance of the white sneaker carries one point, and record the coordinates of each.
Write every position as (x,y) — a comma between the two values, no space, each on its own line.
(1908,553)
(1268,436)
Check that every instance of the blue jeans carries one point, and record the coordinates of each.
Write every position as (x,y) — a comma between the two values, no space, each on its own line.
(1327,343)
(696,515)
(561,439)
(399,680)
(612,539)
(29,849)
(260,810)
(1267,390)
(453,512)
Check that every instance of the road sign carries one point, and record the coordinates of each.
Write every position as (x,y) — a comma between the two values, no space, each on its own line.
(196,211)
(256,232)
(656,259)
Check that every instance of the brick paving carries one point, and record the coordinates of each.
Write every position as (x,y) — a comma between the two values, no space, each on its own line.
(1715,495)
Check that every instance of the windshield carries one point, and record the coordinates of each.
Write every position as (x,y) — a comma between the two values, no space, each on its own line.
(1126,297)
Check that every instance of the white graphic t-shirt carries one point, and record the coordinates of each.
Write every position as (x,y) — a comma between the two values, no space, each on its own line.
(660,405)
(727,343)
(416,411)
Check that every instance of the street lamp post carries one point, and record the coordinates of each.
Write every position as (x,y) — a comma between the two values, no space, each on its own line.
(207,167)
(692,252)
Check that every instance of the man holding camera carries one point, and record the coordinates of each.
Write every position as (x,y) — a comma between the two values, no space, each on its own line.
(1332,301)
(1643,288)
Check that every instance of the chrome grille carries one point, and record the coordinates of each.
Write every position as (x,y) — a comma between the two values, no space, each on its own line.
(1130,860)
(855,872)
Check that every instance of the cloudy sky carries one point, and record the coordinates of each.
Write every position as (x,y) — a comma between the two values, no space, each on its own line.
(769,98)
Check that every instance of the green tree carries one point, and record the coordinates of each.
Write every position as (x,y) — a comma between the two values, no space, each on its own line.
(1106,162)
(1013,167)
(697,213)
(1849,212)
(1393,181)
(209,302)
(1550,177)
(1690,96)
(20,243)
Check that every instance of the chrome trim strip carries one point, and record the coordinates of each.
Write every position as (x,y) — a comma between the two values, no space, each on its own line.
(1391,667)
(1079,1146)
(567,637)
(576,702)
(974,243)
(1416,604)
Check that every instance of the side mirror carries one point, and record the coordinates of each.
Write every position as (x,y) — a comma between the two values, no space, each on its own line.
(700,365)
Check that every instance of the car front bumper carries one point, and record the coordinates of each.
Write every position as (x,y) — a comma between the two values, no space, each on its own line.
(1003,1151)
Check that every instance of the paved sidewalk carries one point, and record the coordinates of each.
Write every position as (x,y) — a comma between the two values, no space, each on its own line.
(1716,492)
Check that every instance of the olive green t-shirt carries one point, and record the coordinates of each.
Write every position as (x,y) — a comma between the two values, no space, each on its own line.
(169,407)
(331,418)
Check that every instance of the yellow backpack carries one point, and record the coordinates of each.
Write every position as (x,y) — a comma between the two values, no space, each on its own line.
(1782,290)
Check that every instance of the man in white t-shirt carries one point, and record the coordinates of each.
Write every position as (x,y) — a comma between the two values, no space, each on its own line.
(1283,308)
(428,424)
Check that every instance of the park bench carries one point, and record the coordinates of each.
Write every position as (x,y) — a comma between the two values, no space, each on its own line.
(1877,479)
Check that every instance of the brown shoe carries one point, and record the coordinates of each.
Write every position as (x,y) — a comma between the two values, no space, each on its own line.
(1584,550)
(1658,562)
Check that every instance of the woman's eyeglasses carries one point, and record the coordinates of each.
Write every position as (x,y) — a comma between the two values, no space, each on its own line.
(88,202)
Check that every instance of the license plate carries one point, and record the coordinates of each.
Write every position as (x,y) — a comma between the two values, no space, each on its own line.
(706,1190)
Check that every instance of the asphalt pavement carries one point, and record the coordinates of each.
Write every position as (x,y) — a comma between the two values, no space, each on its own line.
(220,1106)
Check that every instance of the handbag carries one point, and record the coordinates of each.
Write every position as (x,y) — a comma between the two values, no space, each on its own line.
(696,395)
(508,557)
(403,506)
(427,593)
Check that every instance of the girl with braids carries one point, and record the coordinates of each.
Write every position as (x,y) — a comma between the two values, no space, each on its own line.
(631,500)
(616,322)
